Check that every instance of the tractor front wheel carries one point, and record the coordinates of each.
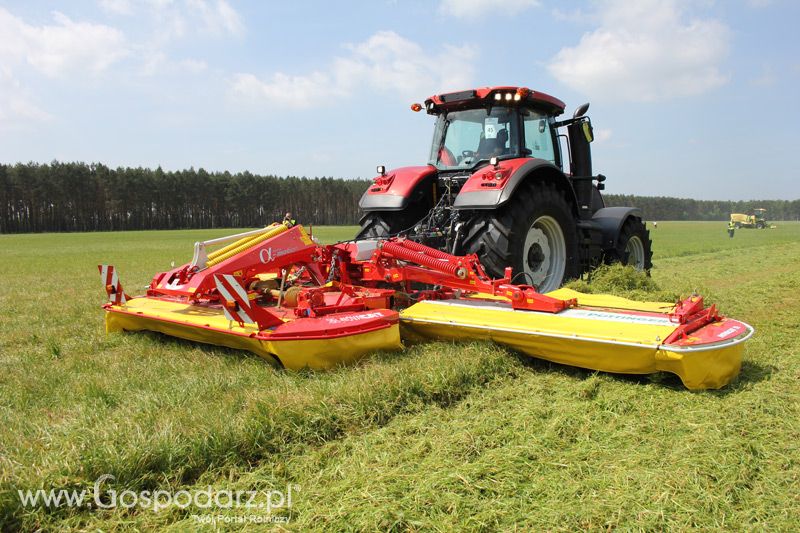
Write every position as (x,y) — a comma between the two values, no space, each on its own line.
(634,246)
(534,233)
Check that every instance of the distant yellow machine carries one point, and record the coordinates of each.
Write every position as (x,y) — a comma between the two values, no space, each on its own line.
(756,219)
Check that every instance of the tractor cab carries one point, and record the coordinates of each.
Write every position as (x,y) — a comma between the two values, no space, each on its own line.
(503,122)
(507,123)
(466,138)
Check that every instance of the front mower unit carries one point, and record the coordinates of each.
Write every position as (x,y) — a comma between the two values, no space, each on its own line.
(276,293)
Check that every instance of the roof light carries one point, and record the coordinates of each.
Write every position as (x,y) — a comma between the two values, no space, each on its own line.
(517,97)
(416,107)
(498,96)
(523,92)
(508,96)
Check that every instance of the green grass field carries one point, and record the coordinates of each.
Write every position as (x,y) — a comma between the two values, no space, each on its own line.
(439,436)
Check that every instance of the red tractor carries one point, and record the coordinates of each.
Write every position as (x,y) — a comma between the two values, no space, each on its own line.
(498,185)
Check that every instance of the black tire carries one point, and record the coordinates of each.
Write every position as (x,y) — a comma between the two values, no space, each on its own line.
(382,224)
(374,225)
(634,246)
(523,234)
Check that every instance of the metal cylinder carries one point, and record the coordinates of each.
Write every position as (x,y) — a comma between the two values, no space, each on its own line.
(289,296)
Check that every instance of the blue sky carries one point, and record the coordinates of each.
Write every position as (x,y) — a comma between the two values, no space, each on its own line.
(689,98)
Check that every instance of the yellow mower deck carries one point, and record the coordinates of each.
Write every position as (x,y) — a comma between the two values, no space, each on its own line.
(209,325)
(616,335)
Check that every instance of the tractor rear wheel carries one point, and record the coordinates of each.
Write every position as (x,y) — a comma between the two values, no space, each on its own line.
(534,233)
(375,225)
(382,224)
(634,246)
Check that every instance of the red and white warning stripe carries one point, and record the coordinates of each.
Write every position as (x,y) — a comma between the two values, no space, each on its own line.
(108,275)
(236,305)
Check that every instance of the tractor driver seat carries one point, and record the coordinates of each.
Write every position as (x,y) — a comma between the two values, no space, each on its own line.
(493,147)
(502,139)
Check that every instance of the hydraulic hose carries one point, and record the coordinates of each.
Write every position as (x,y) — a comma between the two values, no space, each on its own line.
(234,245)
(277,230)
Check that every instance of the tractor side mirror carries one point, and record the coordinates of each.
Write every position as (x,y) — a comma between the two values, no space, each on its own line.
(600,179)
(581,110)
(587,131)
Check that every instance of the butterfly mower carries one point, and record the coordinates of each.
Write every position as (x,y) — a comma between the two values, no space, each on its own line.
(277,293)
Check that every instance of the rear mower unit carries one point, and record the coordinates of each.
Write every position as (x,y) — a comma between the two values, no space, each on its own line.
(276,293)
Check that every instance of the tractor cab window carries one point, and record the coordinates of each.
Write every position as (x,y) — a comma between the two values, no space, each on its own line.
(463,138)
(538,136)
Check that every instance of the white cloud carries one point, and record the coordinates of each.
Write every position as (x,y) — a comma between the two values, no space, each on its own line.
(568,15)
(477,8)
(297,92)
(174,17)
(602,135)
(172,20)
(16,106)
(155,62)
(645,51)
(195,66)
(116,7)
(55,50)
(218,17)
(60,48)
(385,62)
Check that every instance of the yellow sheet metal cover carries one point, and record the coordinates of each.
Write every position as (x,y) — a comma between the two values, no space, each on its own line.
(209,325)
(612,302)
(598,339)
(648,330)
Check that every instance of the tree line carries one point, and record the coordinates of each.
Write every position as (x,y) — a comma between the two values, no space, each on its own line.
(93,197)
(668,208)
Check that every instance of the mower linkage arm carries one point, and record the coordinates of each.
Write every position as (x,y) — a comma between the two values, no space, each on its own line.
(399,260)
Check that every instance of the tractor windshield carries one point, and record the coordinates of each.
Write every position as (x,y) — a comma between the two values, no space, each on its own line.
(463,138)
